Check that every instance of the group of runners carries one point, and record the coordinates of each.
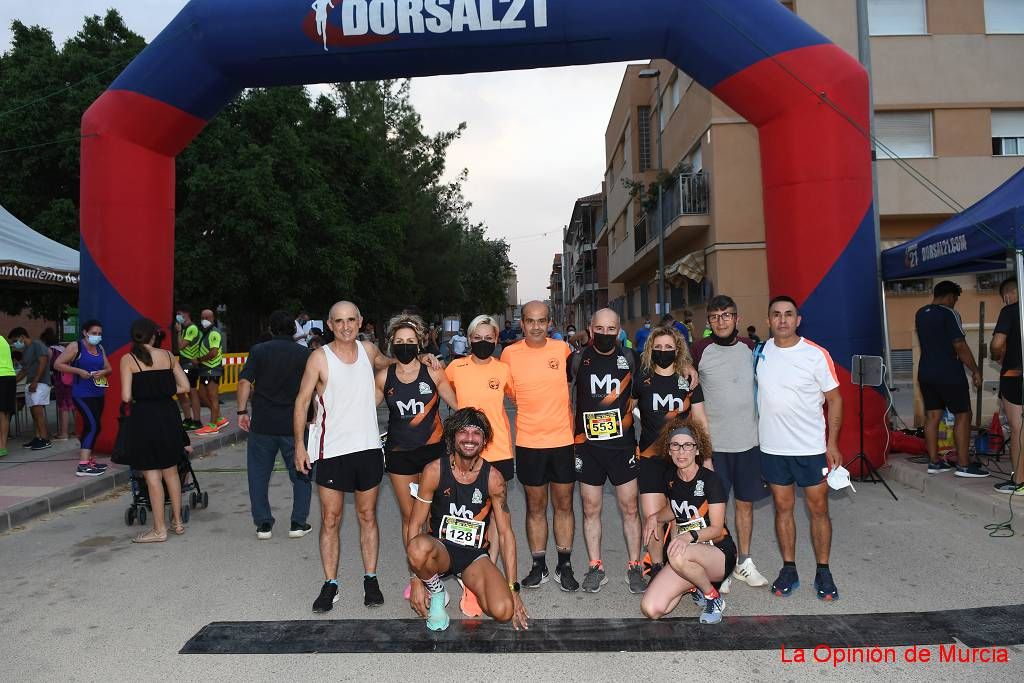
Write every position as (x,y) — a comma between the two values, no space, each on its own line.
(575,421)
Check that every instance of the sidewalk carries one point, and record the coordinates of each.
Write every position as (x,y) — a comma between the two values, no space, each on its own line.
(34,483)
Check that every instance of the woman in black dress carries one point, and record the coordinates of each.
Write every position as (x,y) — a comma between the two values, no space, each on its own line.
(150,378)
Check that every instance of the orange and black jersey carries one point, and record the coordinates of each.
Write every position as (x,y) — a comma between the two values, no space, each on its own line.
(603,383)
(413,419)
(661,398)
(692,499)
(468,501)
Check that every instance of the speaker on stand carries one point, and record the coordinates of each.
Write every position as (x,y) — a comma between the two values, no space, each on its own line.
(866,371)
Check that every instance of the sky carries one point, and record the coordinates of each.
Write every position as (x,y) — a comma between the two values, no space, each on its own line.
(534,141)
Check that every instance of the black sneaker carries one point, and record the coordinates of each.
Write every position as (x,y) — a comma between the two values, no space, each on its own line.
(939,467)
(43,444)
(825,586)
(566,580)
(265,531)
(537,576)
(299,530)
(974,470)
(372,597)
(31,443)
(328,596)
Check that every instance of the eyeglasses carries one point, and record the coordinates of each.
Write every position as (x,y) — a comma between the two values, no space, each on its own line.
(688,447)
(724,317)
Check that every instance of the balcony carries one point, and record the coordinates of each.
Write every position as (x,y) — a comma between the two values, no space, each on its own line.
(689,196)
(640,237)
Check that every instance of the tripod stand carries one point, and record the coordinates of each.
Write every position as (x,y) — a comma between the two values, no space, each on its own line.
(858,376)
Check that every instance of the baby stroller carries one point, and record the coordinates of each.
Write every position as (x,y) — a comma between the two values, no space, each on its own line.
(192,495)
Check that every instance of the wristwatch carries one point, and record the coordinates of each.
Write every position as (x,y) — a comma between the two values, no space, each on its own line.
(693,535)
(514,586)
(243,412)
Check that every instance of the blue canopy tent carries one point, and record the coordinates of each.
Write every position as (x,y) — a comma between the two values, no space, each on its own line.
(979,238)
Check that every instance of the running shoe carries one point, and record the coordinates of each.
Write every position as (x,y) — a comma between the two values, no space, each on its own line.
(566,579)
(469,605)
(30,444)
(98,465)
(748,574)
(698,598)
(3,452)
(372,597)
(974,470)
(653,571)
(787,582)
(713,608)
(186,423)
(726,584)
(208,430)
(87,471)
(299,530)
(635,579)
(41,445)
(221,423)
(194,425)
(437,617)
(537,576)
(939,467)
(328,596)
(1010,487)
(825,586)
(265,531)
(594,579)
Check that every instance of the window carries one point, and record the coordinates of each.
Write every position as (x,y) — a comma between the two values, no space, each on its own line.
(1004,16)
(677,92)
(664,112)
(677,297)
(694,293)
(1008,132)
(906,134)
(627,141)
(989,282)
(645,299)
(643,125)
(897,17)
(914,287)
(631,304)
(696,160)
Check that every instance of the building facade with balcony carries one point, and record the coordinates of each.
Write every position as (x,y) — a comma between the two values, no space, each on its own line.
(948,102)
(556,299)
(585,263)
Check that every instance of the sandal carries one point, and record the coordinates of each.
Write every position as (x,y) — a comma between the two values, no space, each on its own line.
(178,529)
(150,536)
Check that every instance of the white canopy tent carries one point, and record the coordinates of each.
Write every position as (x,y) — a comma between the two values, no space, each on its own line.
(26,257)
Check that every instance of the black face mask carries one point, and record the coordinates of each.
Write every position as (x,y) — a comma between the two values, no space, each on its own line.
(663,358)
(726,341)
(604,342)
(405,353)
(482,349)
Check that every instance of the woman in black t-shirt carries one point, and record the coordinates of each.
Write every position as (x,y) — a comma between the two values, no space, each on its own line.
(701,552)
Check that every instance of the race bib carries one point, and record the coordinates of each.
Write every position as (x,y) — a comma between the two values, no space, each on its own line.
(101,382)
(461,531)
(695,524)
(602,425)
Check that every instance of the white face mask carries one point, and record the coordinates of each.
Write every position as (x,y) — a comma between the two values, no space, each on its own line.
(839,479)
(207,324)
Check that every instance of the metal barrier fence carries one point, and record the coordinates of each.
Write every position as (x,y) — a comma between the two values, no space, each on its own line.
(233,364)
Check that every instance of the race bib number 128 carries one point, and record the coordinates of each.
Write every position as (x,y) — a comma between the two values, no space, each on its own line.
(464,532)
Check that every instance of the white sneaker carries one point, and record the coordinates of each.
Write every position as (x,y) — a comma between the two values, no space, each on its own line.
(748,574)
(725,585)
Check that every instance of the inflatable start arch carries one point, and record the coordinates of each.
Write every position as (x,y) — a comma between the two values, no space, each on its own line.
(756,55)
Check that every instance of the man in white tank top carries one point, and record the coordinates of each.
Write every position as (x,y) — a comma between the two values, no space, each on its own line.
(343,444)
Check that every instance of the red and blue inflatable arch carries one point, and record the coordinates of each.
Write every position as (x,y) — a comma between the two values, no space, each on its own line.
(757,56)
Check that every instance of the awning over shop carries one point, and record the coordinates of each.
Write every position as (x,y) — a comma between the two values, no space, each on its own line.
(28,257)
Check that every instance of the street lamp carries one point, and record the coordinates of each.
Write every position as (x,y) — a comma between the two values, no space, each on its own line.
(656,75)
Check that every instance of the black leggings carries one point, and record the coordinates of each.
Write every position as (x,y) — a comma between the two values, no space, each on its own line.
(91,410)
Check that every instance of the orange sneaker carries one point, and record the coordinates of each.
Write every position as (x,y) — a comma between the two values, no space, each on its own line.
(208,430)
(222,423)
(469,604)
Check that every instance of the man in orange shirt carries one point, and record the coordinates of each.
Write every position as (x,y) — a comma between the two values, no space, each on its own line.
(544,442)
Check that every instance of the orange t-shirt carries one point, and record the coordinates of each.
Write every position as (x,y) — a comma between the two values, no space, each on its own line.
(541,391)
(482,386)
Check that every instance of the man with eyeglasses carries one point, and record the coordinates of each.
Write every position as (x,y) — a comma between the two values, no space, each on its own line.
(726,369)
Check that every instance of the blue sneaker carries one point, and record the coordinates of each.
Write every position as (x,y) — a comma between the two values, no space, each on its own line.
(437,618)
(787,582)
(713,608)
(698,598)
(825,586)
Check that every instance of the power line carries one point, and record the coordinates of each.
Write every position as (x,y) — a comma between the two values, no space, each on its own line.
(51,142)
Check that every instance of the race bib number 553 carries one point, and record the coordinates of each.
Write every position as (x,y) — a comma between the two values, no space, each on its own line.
(601,425)
(464,532)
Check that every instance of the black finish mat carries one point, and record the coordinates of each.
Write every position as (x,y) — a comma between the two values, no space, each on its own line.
(980,627)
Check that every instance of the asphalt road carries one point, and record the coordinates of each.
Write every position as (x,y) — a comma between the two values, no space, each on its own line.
(80,602)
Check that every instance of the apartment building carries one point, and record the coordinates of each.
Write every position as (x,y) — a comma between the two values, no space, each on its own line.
(556,297)
(585,264)
(949,102)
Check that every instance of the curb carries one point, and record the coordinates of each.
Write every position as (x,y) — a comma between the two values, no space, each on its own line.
(92,487)
(950,490)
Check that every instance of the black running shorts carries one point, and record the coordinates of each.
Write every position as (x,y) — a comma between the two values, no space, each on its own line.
(360,471)
(412,461)
(596,465)
(540,466)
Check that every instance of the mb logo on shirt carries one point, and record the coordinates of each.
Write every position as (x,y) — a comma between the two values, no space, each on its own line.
(459,511)
(603,386)
(669,402)
(410,407)
(684,509)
